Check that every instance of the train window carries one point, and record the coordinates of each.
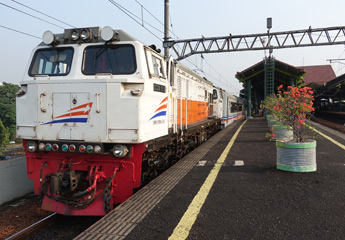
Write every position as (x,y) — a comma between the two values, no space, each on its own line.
(215,94)
(52,62)
(114,59)
(158,66)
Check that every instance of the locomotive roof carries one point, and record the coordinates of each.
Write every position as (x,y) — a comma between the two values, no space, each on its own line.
(95,36)
(184,68)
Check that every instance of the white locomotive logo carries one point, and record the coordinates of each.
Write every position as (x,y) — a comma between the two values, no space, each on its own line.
(77,114)
(161,110)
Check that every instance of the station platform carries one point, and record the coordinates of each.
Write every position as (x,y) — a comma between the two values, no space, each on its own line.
(229,188)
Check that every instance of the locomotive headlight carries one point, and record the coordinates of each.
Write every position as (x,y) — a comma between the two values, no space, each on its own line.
(120,150)
(75,35)
(41,146)
(85,34)
(31,146)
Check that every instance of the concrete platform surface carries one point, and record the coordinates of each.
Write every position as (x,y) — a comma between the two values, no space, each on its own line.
(250,198)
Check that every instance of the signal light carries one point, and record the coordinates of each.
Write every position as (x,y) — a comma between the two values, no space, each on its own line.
(31,146)
(89,149)
(55,147)
(41,146)
(64,148)
(97,149)
(71,148)
(82,148)
(48,147)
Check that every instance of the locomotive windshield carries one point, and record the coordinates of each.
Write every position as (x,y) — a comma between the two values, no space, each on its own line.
(114,59)
(52,62)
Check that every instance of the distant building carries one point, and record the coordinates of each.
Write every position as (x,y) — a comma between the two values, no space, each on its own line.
(320,74)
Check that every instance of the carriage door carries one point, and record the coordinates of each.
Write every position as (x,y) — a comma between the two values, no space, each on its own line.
(172,101)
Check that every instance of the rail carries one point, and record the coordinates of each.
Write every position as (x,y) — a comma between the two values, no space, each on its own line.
(36,226)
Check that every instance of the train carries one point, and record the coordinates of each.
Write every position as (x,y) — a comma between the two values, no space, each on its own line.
(101,114)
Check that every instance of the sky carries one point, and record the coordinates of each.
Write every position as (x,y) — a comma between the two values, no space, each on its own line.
(188,19)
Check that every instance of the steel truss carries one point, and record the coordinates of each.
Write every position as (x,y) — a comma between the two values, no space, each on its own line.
(263,41)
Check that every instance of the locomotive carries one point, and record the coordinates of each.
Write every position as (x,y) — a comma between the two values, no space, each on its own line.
(101,114)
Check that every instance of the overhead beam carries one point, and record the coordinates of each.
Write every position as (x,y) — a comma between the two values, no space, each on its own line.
(275,40)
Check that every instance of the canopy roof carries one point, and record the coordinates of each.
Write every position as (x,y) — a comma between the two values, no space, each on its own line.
(283,74)
(333,88)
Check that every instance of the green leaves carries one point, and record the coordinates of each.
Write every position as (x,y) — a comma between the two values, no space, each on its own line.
(8,108)
(4,137)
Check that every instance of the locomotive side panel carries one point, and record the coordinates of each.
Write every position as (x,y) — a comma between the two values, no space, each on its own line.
(193,98)
(122,113)
(154,109)
(26,117)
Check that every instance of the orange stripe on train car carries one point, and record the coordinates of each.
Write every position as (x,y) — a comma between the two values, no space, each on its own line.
(197,111)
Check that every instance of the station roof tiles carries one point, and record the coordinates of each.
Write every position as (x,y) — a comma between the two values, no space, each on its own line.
(318,74)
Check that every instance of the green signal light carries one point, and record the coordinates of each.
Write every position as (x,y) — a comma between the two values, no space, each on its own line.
(48,147)
(64,148)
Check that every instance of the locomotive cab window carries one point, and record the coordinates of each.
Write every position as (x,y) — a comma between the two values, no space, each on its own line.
(158,66)
(52,62)
(114,59)
(155,65)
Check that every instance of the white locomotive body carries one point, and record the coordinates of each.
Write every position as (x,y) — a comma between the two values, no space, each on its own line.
(100,113)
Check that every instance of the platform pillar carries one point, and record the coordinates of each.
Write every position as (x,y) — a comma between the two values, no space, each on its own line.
(249,99)
(292,82)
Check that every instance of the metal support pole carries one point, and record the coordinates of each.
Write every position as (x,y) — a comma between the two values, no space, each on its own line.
(256,108)
(166,27)
(249,99)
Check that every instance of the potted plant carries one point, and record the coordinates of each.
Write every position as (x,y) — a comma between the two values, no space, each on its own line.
(293,108)
(279,131)
(268,104)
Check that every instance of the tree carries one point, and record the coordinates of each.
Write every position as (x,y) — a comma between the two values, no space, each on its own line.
(8,107)
(3,136)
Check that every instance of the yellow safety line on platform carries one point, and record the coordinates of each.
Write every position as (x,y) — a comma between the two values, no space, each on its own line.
(183,228)
(329,138)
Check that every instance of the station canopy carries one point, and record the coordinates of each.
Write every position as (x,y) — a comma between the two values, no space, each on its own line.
(283,74)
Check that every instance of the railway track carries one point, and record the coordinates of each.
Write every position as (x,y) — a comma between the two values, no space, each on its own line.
(335,117)
(56,226)
(45,222)
(334,121)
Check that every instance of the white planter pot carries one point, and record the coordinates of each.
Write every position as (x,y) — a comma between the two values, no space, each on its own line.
(296,157)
